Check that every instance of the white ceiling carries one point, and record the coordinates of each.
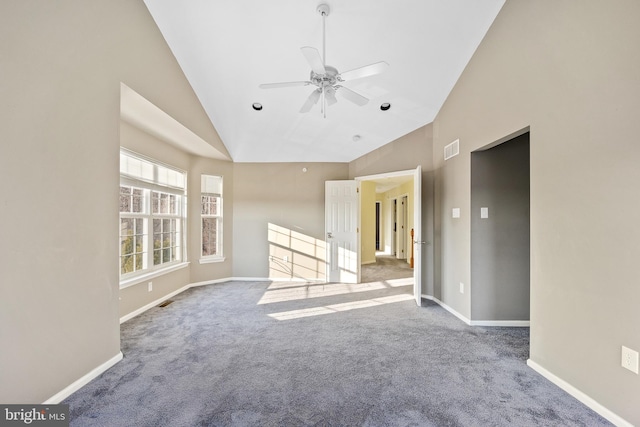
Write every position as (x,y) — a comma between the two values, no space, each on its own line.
(226,48)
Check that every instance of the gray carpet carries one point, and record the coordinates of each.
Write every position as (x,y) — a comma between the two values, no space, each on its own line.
(277,354)
(387,267)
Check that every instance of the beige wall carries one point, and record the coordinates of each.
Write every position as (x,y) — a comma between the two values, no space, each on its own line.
(570,71)
(278,211)
(62,64)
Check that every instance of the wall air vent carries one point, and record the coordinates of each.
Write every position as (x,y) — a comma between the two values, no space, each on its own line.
(452,149)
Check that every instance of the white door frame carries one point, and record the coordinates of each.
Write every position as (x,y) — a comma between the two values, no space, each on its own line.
(417,221)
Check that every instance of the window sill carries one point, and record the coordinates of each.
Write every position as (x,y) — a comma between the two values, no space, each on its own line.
(210,260)
(151,274)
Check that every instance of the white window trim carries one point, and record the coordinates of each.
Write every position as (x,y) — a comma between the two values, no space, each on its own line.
(152,271)
(143,277)
(211,259)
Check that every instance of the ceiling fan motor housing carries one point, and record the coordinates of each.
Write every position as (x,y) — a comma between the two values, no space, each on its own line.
(329,78)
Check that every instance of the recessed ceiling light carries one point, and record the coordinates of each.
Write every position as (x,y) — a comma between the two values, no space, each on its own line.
(356,138)
(385,106)
(257,106)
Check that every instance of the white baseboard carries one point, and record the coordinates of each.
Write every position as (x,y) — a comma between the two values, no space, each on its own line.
(505,323)
(82,381)
(213,282)
(152,304)
(451,310)
(582,397)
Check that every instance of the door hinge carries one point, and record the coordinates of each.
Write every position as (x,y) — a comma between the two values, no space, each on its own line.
(357,190)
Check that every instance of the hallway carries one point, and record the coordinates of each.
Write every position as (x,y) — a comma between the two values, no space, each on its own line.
(385,267)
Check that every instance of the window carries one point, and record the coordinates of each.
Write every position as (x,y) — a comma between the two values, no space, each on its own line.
(211,218)
(152,215)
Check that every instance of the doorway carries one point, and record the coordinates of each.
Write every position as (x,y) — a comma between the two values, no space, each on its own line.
(343,244)
(398,209)
(500,234)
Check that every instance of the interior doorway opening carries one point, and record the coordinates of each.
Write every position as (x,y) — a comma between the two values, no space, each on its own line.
(500,233)
(348,248)
(393,222)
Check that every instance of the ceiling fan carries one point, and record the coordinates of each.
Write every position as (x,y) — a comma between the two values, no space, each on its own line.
(326,78)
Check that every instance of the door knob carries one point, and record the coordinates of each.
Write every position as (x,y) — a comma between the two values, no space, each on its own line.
(329,235)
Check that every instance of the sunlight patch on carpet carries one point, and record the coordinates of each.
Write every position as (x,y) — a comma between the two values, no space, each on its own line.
(336,308)
(305,291)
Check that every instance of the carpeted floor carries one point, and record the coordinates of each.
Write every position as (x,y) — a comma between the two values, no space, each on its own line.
(386,267)
(284,354)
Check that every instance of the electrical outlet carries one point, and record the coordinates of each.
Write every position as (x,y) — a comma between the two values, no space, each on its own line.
(461,288)
(150,286)
(629,359)
(285,258)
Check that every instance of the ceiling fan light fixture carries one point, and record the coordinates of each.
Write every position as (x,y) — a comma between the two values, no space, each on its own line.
(385,106)
(256,106)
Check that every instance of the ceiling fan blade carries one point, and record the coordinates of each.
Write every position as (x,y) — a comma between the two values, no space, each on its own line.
(367,70)
(330,95)
(314,59)
(311,101)
(283,84)
(352,96)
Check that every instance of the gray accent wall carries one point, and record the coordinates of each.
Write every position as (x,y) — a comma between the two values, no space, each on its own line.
(500,241)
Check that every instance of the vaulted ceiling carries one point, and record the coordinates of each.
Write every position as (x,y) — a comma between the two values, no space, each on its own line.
(227,48)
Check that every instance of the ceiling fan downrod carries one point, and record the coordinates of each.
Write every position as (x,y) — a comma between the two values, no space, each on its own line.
(323,10)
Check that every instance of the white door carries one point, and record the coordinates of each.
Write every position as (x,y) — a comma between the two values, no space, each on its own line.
(418,243)
(341,226)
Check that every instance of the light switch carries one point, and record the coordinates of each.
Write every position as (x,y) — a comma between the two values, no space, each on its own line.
(484,213)
(455,213)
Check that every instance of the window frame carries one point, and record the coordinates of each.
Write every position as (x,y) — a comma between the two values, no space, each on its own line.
(158,182)
(206,190)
